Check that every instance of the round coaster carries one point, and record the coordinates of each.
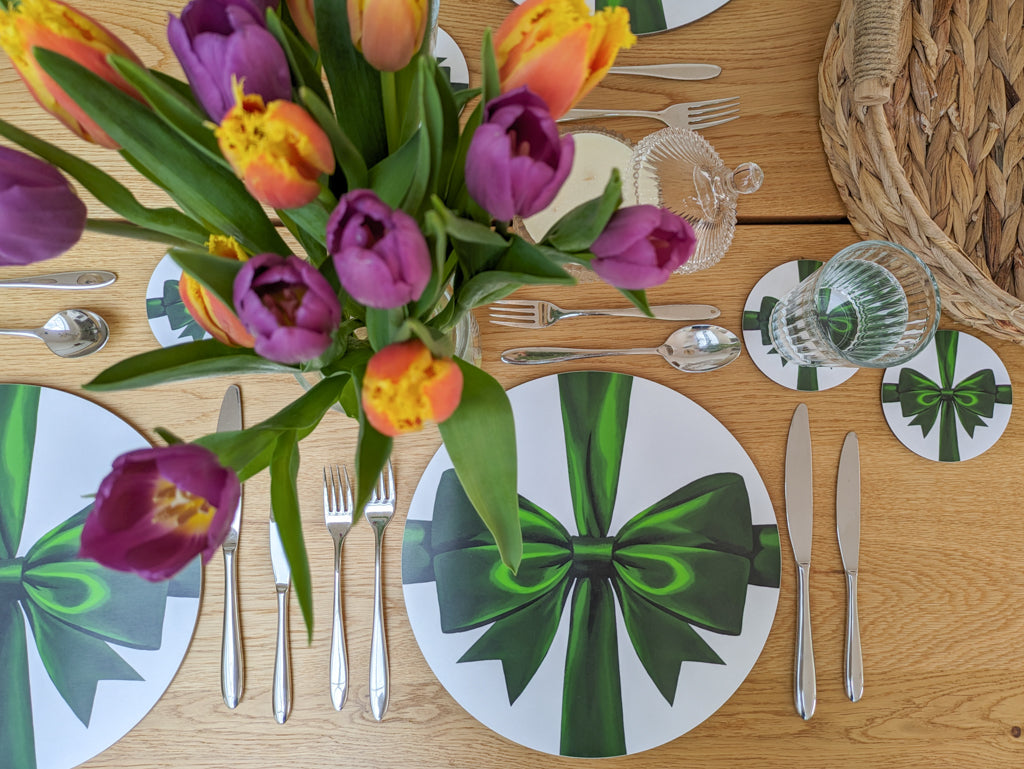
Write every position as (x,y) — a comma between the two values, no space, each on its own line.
(169,320)
(951,401)
(648,585)
(451,60)
(764,296)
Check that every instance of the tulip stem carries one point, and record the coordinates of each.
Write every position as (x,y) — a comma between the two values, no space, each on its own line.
(391,116)
(129,230)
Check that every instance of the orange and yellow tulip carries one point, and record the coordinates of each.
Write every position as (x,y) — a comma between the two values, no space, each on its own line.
(388,32)
(406,386)
(277,149)
(58,27)
(304,16)
(208,311)
(558,49)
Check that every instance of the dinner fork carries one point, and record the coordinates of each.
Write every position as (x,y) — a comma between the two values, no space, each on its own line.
(338,514)
(379,511)
(537,313)
(695,115)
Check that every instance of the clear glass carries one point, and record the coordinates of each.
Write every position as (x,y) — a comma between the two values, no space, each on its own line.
(679,170)
(872,305)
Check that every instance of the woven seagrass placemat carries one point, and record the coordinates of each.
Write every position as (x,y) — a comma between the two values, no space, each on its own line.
(921,118)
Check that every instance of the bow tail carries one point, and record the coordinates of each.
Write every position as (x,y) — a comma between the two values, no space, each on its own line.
(949,444)
(19,408)
(644,15)
(592,719)
(17,734)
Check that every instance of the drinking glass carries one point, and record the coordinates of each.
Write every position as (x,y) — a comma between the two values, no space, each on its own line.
(872,305)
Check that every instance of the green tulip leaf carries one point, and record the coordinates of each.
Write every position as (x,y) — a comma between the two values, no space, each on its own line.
(352,164)
(529,261)
(284,501)
(372,451)
(394,175)
(579,228)
(309,226)
(302,59)
(491,78)
(477,246)
(216,273)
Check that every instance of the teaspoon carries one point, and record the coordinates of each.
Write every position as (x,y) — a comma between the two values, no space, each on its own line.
(65,280)
(69,333)
(693,349)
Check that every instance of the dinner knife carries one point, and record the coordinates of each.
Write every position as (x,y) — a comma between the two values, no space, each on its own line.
(671,71)
(848,529)
(282,688)
(232,672)
(799,520)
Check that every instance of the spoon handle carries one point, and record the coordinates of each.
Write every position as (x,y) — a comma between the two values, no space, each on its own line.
(534,355)
(66,280)
(20,332)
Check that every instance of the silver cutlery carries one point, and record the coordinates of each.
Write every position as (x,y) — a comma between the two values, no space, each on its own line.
(232,670)
(379,511)
(282,687)
(693,349)
(69,333)
(77,280)
(848,530)
(799,520)
(536,313)
(338,514)
(670,71)
(694,115)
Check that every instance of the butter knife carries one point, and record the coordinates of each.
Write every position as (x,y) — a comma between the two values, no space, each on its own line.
(848,529)
(671,71)
(799,520)
(282,689)
(232,672)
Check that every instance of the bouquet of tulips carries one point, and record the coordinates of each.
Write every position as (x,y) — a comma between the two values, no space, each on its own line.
(333,121)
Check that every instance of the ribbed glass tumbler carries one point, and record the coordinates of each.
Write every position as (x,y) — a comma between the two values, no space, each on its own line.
(872,305)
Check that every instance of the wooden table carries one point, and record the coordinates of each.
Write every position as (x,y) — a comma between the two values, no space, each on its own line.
(939,570)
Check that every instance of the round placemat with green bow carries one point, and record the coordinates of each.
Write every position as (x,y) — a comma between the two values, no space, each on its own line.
(85,651)
(649,578)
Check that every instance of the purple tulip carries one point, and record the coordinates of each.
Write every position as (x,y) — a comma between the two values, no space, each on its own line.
(159,508)
(40,215)
(379,252)
(516,162)
(217,40)
(641,246)
(288,306)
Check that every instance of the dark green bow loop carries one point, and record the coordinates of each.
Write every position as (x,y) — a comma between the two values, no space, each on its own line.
(970,402)
(644,15)
(759,320)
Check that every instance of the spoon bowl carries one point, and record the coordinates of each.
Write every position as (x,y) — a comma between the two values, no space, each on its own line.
(693,349)
(69,333)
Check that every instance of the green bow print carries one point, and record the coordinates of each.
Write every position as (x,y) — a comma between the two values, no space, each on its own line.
(75,608)
(682,563)
(170,306)
(644,15)
(970,402)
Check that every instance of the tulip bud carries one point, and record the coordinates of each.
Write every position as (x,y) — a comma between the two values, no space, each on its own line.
(159,508)
(55,26)
(40,214)
(220,41)
(558,49)
(304,16)
(277,149)
(289,307)
(388,32)
(641,246)
(405,387)
(379,252)
(208,311)
(516,162)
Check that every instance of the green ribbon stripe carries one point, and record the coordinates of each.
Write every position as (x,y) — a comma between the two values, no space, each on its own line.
(75,608)
(683,563)
(970,402)
(644,15)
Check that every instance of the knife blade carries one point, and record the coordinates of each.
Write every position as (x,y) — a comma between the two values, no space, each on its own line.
(799,521)
(282,688)
(671,71)
(848,530)
(232,672)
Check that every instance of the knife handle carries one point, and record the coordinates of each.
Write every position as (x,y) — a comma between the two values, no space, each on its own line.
(806,687)
(232,673)
(282,694)
(379,677)
(854,664)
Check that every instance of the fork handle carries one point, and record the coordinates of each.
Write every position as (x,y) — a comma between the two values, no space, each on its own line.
(580,114)
(282,690)
(535,355)
(231,669)
(339,660)
(379,684)
(660,312)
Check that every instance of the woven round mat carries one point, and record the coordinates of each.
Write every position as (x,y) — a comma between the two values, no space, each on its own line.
(921,118)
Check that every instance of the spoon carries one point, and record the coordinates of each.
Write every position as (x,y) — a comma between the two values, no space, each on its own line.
(693,349)
(69,333)
(66,280)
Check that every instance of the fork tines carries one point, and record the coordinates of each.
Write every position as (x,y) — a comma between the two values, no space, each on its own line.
(337,492)
(522,313)
(713,112)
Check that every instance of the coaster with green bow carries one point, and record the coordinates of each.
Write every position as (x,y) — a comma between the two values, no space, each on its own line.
(76,639)
(952,401)
(758,309)
(648,581)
